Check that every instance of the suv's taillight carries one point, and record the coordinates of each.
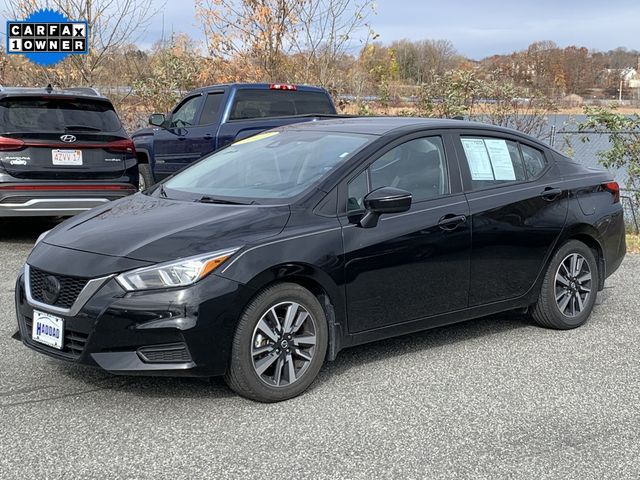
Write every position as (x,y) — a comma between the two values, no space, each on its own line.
(614,189)
(121,146)
(7,144)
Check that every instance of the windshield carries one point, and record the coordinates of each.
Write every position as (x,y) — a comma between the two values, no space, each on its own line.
(270,165)
(34,114)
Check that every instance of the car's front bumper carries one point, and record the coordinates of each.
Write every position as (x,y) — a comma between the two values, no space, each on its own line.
(184,332)
(57,199)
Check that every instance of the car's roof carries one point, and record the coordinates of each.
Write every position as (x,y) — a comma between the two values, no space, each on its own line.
(84,92)
(384,125)
(257,86)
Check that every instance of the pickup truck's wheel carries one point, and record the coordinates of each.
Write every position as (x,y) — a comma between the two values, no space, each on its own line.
(279,345)
(569,289)
(145,175)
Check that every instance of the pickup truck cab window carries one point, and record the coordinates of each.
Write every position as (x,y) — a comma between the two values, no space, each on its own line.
(185,114)
(211,110)
(278,103)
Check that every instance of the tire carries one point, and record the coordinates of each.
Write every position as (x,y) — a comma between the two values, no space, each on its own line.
(269,338)
(565,303)
(145,176)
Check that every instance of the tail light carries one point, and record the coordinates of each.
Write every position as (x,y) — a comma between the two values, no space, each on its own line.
(8,144)
(121,146)
(283,86)
(614,189)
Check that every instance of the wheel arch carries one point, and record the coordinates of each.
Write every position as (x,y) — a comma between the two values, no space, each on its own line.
(588,235)
(317,282)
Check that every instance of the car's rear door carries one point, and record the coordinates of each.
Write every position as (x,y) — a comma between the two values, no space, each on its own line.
(63,137)
(518,211)
(415,264)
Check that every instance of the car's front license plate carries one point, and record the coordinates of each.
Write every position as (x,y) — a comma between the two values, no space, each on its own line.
(66,157)
(48,329)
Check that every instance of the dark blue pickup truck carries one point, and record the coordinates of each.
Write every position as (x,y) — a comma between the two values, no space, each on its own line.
(211,117)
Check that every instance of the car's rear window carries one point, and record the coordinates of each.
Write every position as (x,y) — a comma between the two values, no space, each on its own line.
(53,114)
(279,103)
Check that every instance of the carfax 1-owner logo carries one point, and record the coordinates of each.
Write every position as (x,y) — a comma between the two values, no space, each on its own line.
(47,36)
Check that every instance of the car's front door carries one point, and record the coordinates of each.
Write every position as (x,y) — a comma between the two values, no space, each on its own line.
(190,133)
(415,264)
(517,212)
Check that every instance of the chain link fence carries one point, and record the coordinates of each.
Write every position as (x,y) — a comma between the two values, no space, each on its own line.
(583,147)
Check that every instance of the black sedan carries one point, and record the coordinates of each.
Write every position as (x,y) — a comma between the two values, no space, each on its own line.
(268,257)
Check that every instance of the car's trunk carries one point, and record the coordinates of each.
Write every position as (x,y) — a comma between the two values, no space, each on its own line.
(62,139)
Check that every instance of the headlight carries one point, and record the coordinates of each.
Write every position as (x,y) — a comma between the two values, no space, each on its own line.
(42,235)
(178,273)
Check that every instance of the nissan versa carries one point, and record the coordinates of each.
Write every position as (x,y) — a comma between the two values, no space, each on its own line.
(263,260)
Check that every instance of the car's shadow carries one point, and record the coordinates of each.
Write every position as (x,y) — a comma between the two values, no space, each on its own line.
(193,388)
(25,230)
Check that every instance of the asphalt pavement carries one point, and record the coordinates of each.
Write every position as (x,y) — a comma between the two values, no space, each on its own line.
(492,398)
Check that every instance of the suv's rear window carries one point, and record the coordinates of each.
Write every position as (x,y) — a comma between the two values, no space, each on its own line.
(279,103)
(53,114)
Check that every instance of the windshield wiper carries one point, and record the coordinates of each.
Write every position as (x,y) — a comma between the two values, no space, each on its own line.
(81,127)
(208,199)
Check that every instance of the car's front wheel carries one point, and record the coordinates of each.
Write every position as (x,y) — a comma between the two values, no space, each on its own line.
(569,288)
(145,177)
(279,345)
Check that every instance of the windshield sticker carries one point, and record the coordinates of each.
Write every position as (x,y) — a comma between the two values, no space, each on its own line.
(500,159)
(478,159)
(255,138)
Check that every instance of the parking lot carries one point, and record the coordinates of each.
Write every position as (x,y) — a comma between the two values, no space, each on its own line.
(492,398)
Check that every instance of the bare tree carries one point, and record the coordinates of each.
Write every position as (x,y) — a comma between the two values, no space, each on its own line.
(252,29)
(326,31)
(112,25)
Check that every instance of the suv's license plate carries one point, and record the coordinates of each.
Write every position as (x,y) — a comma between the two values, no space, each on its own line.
(48,329)
(66,157)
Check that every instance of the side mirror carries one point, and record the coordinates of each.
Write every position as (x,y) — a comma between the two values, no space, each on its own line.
(384,200)
(156,119)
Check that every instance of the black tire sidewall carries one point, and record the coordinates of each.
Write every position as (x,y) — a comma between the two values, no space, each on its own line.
(553,310)
(144,170)
(247,382)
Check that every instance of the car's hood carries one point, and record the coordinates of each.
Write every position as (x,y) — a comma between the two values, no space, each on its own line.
(155,230)
(142,132)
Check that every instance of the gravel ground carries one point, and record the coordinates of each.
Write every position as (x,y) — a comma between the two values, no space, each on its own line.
(492,398)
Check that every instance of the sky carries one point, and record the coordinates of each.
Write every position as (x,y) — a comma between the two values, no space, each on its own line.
(477,28)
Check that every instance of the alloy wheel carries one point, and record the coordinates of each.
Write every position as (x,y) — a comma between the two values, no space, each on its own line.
(283,344)
(573,285)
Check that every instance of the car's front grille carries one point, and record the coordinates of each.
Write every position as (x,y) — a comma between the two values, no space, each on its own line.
(70,287)
(74,341)
(174,353)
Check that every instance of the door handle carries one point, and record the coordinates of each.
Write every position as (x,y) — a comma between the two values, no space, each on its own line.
(550,193)
(208,136)
(182,138)
(450,221)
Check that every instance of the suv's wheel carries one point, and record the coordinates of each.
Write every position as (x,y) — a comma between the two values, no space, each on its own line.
(569,289)
(279,345)
(145,176)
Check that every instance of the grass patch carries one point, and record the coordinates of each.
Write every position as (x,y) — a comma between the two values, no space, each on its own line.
(633,243)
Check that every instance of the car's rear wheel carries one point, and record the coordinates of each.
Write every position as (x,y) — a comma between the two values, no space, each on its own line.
(279,345)
(569,289)
(145,177)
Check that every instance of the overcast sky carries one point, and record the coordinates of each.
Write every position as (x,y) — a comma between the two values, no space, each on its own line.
(477,28)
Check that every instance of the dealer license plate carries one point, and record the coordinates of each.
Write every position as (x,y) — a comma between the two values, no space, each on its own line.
(48,329)
(66,157)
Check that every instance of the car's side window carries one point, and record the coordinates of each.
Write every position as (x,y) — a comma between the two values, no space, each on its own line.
(185,115)
(357,189)
(417,166)
(493,161)
(534,162)
(211,107)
